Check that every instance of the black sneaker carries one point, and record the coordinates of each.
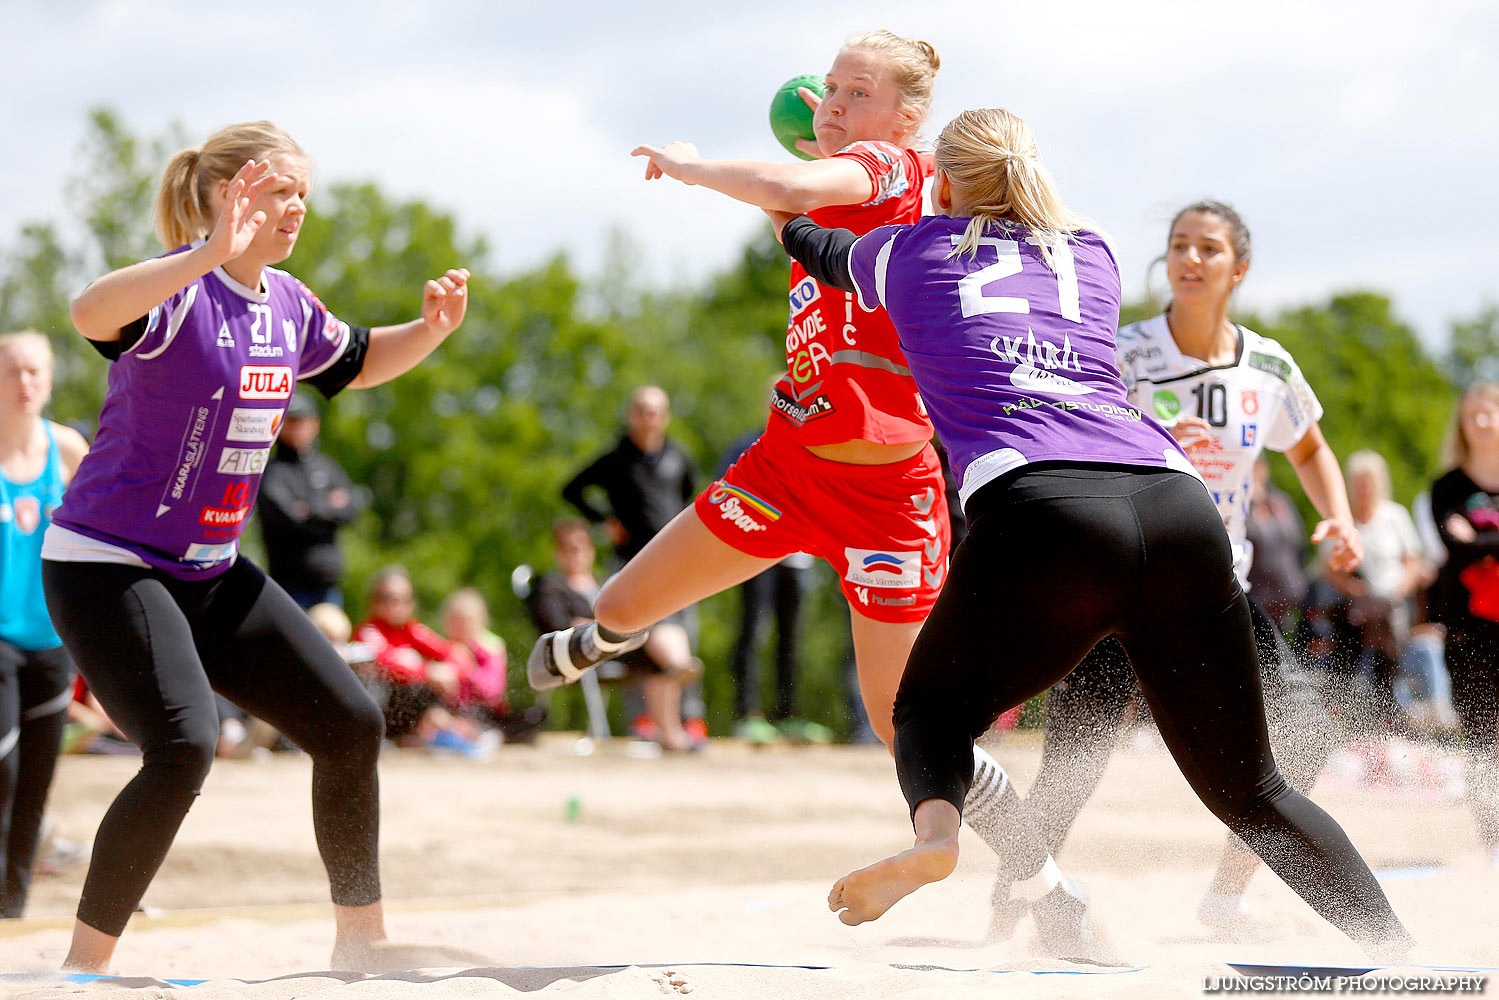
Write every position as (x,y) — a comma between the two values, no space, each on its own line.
(561,657)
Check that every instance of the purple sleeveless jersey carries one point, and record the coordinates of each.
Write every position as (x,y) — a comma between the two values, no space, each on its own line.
(1014,359)
(192,411)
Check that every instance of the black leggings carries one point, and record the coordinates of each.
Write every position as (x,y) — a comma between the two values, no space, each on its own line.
(1055,560)
(154,650)
(1085,713)
(35,688)
(1473,661)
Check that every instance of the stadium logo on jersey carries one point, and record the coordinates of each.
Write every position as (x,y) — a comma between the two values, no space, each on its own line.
(264,382)
(243,461)
(25,511)
(253,426)
(883,568)
(226,339)
(1250,400)
(1249,435)
(803,294)
(1166,405)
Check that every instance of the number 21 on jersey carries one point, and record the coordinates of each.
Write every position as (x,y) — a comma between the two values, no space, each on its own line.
(976,298)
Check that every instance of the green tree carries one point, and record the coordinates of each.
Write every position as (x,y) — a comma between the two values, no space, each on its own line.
(1379,387)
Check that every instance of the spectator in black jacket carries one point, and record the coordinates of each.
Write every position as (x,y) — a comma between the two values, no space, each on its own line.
(305,497)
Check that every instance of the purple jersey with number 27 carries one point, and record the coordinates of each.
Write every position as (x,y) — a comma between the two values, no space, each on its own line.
(192,411)
(1015,359)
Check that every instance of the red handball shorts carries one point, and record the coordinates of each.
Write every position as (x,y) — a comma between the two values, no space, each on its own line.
(884,528)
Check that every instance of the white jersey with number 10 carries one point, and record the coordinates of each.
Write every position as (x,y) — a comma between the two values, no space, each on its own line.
(1259,400)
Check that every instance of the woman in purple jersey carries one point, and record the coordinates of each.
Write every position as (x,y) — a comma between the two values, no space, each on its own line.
(1085,521)
(140,566)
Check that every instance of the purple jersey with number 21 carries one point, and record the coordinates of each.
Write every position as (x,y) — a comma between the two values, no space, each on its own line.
(192,411)
(1014,359)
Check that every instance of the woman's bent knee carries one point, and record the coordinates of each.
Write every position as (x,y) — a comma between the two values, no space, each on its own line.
(620,609)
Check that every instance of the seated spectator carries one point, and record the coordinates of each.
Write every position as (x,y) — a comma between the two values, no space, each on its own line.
(415,673)
(481,692)
(564,597)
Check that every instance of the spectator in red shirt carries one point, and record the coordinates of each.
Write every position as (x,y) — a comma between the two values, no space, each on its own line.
(419,673)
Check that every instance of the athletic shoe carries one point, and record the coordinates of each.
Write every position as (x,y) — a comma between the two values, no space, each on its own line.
(802,732)
(643,727)
(697,733)
(1064,922)
(755,730)
(481,747)
(561,657)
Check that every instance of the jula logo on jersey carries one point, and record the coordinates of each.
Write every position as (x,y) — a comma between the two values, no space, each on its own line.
(265,382)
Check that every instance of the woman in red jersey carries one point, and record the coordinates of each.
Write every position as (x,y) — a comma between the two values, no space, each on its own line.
(845,469)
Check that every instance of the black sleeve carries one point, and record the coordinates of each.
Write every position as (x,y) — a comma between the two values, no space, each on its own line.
(332,380)
(591,476)
(823,252)
(130,335)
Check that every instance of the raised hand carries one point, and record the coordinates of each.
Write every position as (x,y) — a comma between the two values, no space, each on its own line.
(1194,435)
(668,160)
(445,301)
(1347,547)
(809,146)
(236,226)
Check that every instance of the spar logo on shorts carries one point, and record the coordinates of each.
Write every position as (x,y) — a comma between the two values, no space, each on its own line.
(738,507)
(264,382)
(883,568)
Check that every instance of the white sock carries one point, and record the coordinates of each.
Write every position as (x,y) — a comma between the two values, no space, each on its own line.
(996,813)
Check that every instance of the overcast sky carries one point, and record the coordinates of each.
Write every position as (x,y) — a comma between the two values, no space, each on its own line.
(1360,141)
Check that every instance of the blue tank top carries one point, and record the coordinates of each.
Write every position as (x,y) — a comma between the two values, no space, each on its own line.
(25,511)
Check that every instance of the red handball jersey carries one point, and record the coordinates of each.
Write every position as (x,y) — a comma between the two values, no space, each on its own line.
(846,377)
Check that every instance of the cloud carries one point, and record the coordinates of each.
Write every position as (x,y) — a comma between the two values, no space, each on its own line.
(1358,140)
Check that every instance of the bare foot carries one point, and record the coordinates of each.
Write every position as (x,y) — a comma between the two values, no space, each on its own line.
(867,893)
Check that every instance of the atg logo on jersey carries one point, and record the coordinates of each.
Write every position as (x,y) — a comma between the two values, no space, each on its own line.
(883,568)
(253,426)
(264,382)
(243,461)
(1250,435)
(803,294)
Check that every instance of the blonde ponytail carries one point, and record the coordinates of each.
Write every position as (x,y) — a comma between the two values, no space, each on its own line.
(184,202)
(991,156)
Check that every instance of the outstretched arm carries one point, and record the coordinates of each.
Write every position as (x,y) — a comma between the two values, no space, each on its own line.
(121,297)
(395,350)
(1317,468)
(786,187)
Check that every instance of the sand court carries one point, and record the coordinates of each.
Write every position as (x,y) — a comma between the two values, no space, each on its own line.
(707,874)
